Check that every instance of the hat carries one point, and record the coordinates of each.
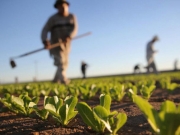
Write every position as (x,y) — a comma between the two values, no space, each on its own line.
(155,38)
(60,2)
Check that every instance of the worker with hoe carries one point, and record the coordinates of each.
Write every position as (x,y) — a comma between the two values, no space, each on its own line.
(63,27)
(150,55)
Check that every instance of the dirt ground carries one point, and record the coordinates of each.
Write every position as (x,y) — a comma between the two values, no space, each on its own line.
(12,124)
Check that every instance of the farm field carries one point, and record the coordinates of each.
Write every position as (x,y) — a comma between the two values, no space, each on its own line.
(125,93)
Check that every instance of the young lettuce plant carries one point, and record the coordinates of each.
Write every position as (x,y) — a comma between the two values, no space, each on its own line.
(118,92)
(105,88)
(7,102)
(100,116)
(86,91)
(146,91)
(74,91)
(42,113)
(63,113)
(22,103)
(32,90)
(61,91)
(132,87)
(93,90)
(164,122)
(166,84)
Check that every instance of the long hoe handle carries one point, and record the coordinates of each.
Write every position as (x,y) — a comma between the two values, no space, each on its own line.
(53,46)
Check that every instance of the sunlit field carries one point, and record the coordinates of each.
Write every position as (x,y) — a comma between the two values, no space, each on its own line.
(129,104)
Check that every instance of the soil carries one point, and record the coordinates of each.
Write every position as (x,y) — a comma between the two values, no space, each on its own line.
(12,124)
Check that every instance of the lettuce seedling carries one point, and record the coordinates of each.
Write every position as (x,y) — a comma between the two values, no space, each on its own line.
(7,102)
(74,91)
(164,122)
(133,88)
(63,113)
(166,84)
(42,113)
(61,91)
(21,104)
(146,91)
(86,91)
(100,116)
(105,88)
(93,90)
(118,92)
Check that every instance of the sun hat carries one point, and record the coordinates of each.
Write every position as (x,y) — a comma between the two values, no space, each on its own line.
(156,38)
(60,2)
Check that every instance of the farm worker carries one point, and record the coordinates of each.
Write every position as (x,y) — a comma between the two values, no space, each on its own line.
(137,69)
(83,69)
(150,55)
(63,27)
(175,65)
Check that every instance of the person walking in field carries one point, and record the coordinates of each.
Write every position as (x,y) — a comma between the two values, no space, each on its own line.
(175,65)
(62,27)
(83,69)
(150,55)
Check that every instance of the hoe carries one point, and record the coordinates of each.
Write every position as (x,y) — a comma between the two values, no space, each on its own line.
(13,64)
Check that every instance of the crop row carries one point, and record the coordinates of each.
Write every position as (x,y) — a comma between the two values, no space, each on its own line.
(61,101)
(87,90)
(166,121)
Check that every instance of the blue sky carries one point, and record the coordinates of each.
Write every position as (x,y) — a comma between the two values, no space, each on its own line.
(120,31)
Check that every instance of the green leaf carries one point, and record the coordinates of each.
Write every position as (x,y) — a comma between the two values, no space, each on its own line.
(84,91)
(51,108)
(149,112)
(35,99)
(178,109)
(7,102)
(70,107)
(112,114)
(26,100)
(87,115)
(105,101)
(168,107)
(103,114)
(119,121)
(49,100)
(169,118)
(7,96)
(173,86)
(59,104)
(63,113)
(17,100)
(32,105)
(42,114)
(18,104)
(146,91)
(55,101)
(66,114)
(177,131)
(71,101)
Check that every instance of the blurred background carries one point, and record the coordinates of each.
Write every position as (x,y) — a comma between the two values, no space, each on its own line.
(120,33)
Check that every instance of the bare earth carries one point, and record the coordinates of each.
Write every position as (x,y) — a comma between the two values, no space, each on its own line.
(12,124)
